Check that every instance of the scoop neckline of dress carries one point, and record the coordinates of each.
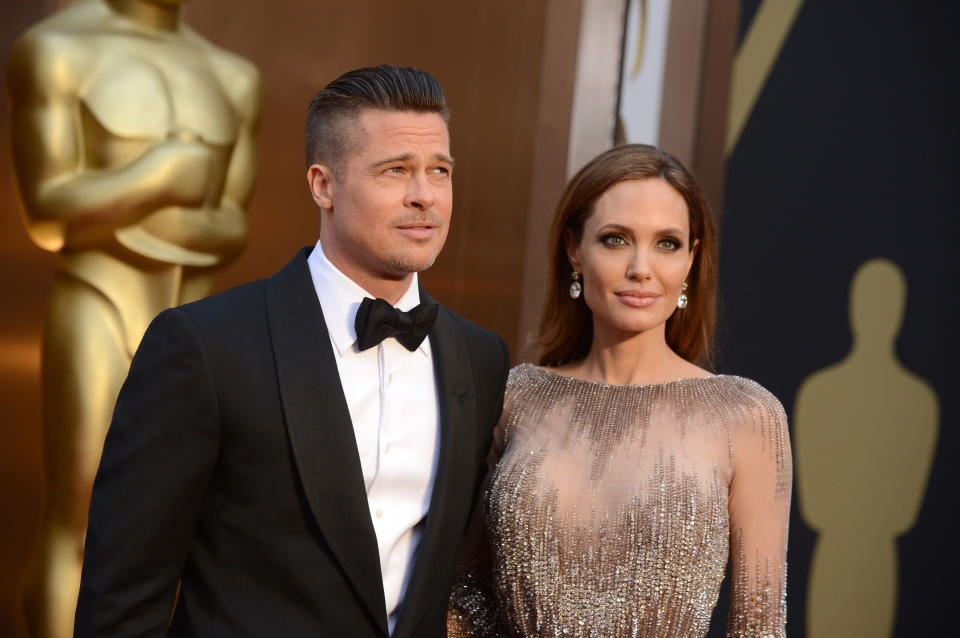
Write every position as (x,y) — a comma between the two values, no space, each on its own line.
(603,384)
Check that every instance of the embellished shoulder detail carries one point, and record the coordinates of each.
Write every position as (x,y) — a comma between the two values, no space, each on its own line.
(761,425)
(756,399)
(521,373)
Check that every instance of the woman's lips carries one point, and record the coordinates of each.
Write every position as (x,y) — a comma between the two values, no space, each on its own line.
(637,298)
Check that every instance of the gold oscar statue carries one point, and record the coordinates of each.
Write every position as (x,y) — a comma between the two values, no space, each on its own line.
(133,144)
(865,431)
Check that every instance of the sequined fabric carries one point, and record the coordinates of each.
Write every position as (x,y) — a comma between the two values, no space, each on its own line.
(613,511)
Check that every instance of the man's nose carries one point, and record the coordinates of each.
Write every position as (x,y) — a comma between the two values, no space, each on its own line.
(420,193)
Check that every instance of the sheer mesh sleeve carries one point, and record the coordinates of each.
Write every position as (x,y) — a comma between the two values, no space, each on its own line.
(472,612)
(759,511)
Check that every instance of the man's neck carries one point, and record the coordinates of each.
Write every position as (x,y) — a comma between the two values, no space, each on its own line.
(388,289)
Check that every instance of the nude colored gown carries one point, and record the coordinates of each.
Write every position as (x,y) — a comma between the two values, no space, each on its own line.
(614,509)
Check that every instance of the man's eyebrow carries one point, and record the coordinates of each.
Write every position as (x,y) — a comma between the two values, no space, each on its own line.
(406,157)
(443,157)
(403,157)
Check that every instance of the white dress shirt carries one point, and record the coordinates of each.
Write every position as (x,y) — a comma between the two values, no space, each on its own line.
(392,397)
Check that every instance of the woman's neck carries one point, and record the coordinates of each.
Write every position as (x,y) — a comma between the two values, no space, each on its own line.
(621,358)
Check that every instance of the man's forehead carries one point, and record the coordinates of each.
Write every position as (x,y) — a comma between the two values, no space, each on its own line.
(383,127)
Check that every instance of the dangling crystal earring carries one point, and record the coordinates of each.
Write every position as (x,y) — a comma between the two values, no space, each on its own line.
(682,301)
(575,287)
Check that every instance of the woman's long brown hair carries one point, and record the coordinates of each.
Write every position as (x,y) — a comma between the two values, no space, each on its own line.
(566,325)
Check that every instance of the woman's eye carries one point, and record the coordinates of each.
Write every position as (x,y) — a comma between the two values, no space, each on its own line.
(668,244)
(614,240)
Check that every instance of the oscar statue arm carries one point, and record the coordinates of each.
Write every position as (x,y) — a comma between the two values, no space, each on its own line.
(226,219)
(228,222)
(247,97)
(158,460)
(63,197)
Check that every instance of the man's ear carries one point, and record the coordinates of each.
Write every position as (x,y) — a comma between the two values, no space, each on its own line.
(573,250)
(321,181)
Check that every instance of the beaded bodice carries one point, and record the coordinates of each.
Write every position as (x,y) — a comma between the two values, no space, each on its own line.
(613,511)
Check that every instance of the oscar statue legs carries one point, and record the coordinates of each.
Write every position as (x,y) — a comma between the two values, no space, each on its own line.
(84,363)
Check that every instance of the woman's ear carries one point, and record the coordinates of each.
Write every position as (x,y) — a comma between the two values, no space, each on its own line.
(693,254)
(320,179)
(573,249)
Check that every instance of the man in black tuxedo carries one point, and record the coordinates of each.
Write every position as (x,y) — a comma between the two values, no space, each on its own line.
(297,454)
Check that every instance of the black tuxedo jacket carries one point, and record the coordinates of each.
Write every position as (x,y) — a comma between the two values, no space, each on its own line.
(231,464)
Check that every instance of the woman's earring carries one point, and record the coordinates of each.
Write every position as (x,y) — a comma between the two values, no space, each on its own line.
(575,287)
(682,301)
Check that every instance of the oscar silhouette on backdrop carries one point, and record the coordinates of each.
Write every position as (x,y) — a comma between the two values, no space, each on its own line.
(865,431)
(133,144)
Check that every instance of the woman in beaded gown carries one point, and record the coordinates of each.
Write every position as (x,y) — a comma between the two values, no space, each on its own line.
(628,476)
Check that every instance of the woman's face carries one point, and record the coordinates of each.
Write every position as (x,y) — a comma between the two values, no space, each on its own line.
(634,255)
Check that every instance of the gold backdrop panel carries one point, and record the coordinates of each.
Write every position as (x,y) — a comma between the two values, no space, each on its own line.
(133,147)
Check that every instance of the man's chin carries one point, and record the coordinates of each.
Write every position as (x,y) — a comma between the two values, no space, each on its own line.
(406,264)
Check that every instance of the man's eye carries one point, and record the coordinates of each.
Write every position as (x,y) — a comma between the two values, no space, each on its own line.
(394,169)
(441,170)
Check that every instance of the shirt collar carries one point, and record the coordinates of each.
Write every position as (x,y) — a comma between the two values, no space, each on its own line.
(340,298)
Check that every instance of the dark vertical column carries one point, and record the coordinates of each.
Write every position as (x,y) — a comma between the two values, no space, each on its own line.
(720,45)
(682,79)
(551,138)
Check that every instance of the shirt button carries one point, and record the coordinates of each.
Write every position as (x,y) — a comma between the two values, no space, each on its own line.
(389,378)
(379,513)
(386,448)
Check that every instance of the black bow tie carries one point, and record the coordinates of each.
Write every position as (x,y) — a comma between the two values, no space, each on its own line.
(377,320)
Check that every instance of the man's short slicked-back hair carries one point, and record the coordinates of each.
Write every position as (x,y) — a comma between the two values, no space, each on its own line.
(333,112)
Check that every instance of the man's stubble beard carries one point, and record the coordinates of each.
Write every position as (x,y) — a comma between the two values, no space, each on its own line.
(404,263)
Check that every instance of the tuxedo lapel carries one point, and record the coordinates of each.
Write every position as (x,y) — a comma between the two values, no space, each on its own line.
(453,484)
(321,433)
